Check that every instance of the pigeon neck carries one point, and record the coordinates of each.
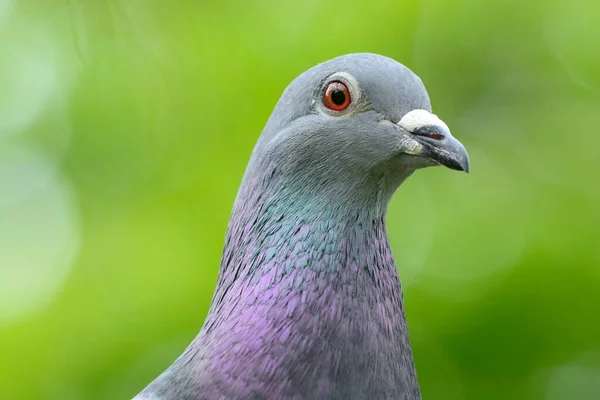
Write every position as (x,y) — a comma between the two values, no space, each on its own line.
(321,286)
(303,229)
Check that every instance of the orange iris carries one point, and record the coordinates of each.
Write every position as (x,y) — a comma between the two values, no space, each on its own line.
(337,96)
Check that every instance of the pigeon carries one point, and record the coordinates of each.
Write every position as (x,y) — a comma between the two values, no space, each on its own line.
(308,302)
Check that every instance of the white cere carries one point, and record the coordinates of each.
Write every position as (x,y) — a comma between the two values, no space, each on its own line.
(415,119)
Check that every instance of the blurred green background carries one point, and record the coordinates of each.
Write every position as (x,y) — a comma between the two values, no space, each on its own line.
(125,128)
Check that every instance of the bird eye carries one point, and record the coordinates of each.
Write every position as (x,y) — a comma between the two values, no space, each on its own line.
(337,96)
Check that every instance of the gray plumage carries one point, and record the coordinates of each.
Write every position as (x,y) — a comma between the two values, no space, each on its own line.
(308,303)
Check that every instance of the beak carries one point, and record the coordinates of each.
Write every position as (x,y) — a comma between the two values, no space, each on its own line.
(434,140)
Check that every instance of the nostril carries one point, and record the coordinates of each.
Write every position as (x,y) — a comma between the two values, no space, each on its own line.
(430,131)
(436,136)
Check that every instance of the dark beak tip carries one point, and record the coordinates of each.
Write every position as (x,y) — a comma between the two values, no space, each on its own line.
(466,167)
(456,163)
(463,160)
(458,167)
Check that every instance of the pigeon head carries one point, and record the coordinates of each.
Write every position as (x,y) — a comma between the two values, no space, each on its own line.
(356,119)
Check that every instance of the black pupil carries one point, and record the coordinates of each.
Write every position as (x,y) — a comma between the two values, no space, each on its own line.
(338,97)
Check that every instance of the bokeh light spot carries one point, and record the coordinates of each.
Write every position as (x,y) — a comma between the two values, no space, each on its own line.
(38,232)
(28,77)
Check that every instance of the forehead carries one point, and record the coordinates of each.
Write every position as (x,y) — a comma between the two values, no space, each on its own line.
(391,87)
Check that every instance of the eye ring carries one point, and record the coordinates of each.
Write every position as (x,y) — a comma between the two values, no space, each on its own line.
(337,96)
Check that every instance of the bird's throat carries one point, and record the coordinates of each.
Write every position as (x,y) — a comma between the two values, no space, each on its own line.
(316,292)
